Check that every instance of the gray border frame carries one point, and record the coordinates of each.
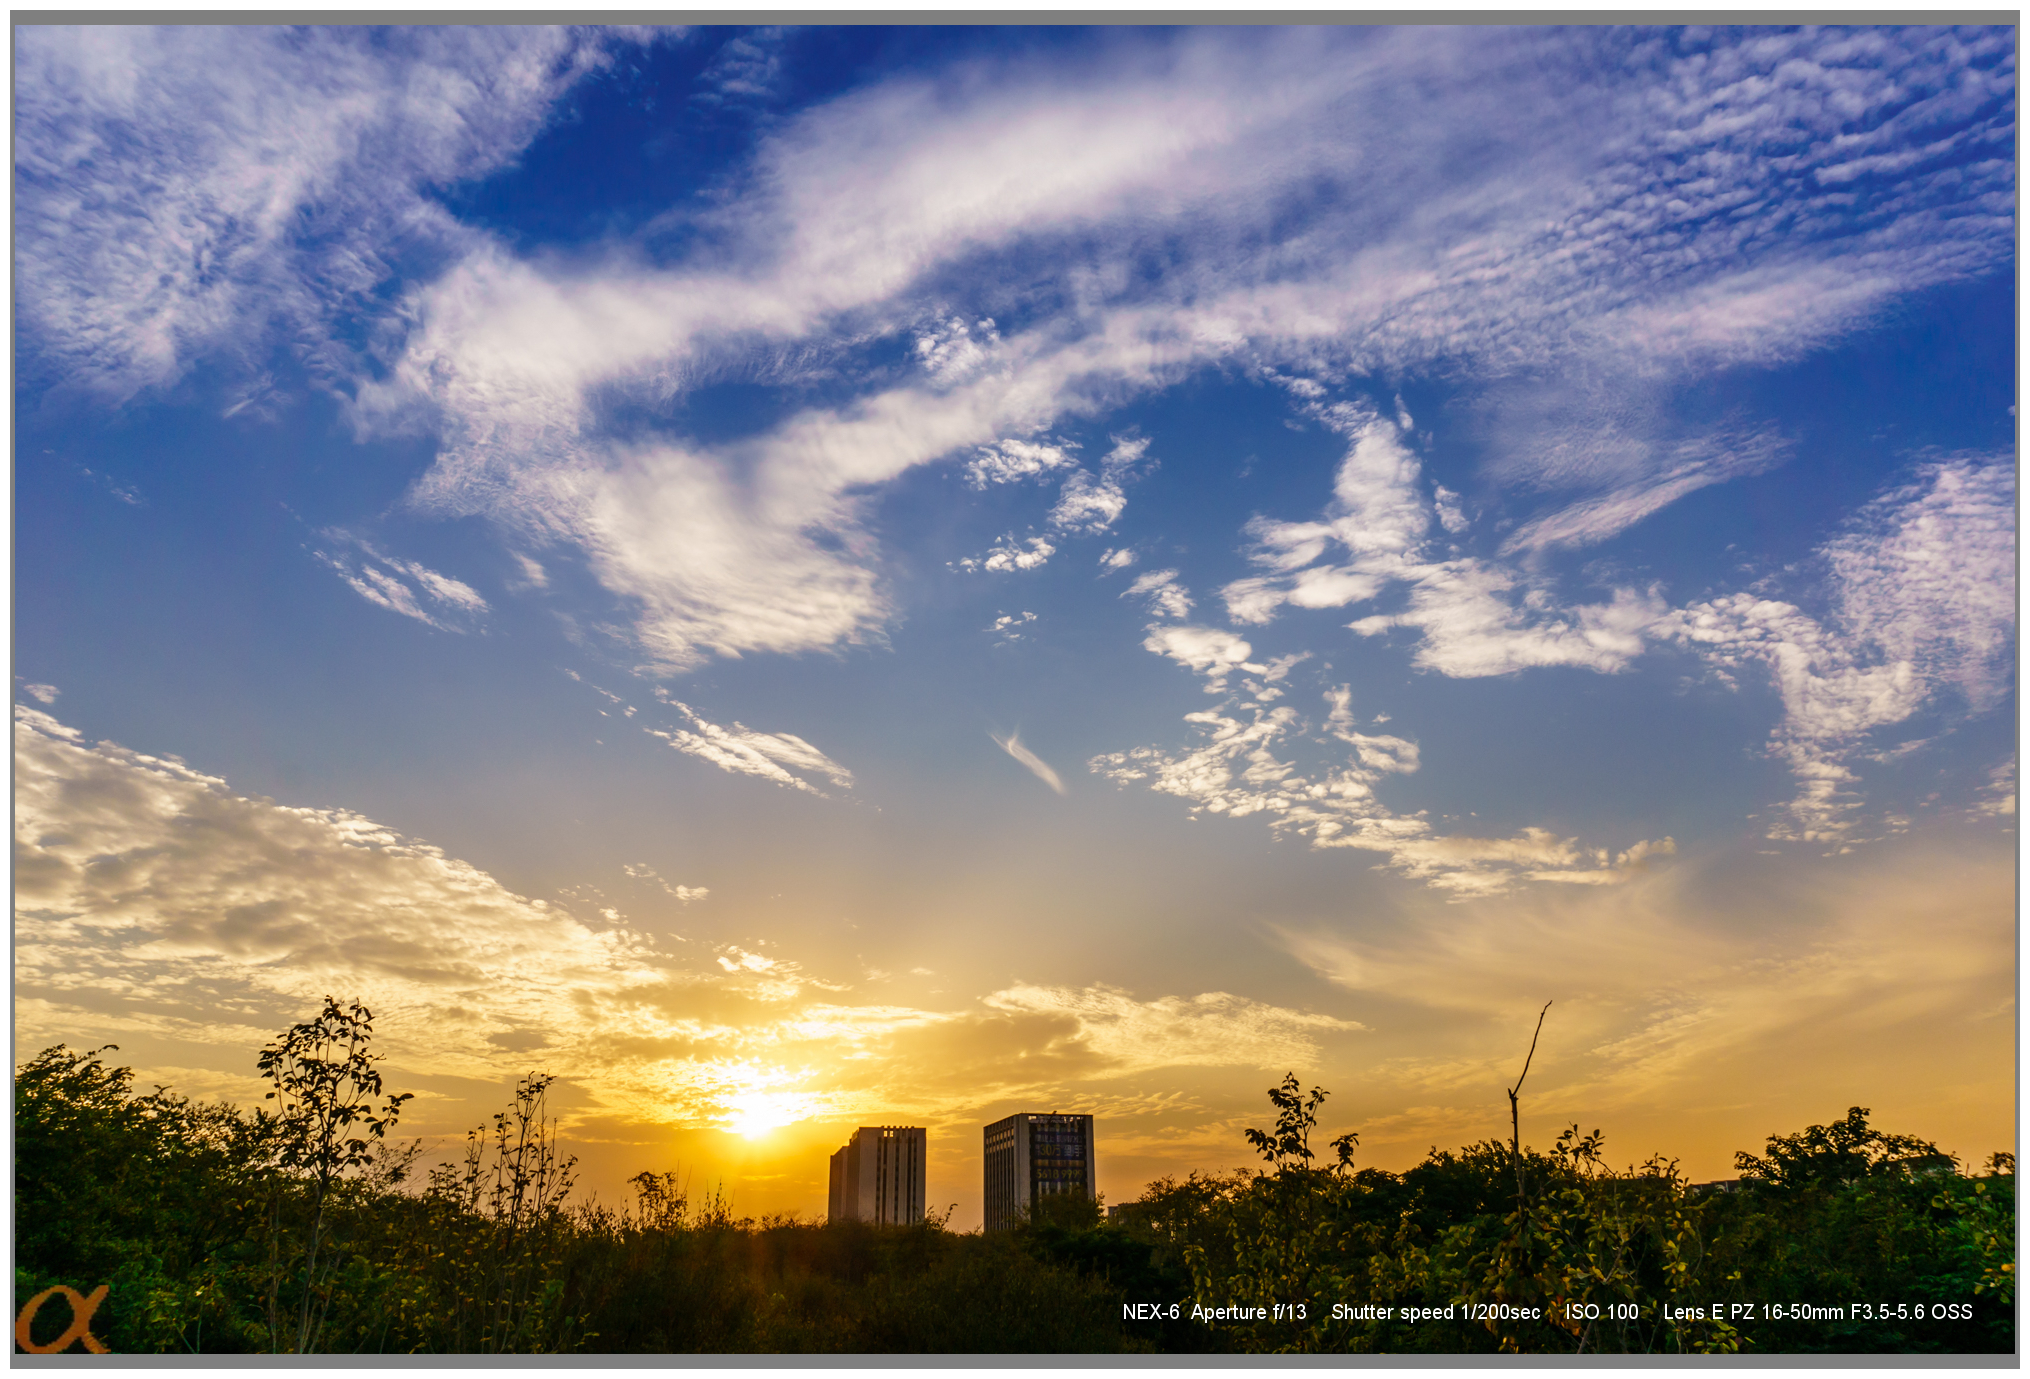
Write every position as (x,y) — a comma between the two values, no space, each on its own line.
(978,18)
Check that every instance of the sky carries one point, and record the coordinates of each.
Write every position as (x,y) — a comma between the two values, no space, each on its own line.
(805,578)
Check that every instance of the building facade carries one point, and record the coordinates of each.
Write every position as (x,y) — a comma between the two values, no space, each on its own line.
(878,1176)
(1029,1157)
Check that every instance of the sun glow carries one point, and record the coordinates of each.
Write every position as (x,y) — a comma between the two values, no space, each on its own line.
(754,1114)
(757,1100)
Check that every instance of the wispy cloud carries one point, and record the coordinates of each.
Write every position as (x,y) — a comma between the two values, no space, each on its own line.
(1212,1030)
(1050,1042)
(1007,627)
(1012,745)
(1009,461)
(1472,617)
(1921,601)
(1544,245)
(188,190)
(641,871)
(1165,594)
(533,575)
(1761,197)
(1090,503)
(771,756)
(140,878)
(125,492)
(213,918)
(401,586)
(1212,652)
(1239,769)
(1919,594)
(1663,474)
(747,70)
(1009,555)
(1655,1004)
(1998,796)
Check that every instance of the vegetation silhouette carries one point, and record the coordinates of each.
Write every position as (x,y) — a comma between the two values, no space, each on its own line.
(306,1228)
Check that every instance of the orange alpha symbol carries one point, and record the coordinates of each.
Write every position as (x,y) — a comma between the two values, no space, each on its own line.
(80,1329)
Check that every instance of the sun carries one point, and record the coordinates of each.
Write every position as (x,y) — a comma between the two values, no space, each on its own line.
(755,1113)
(757,1099)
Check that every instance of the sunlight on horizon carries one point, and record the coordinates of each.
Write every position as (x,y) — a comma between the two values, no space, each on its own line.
(762,1105)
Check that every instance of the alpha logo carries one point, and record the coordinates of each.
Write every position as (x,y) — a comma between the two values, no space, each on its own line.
(80,1328)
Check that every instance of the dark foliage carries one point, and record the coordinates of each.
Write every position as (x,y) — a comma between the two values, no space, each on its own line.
(300,1230)
(1880,1238)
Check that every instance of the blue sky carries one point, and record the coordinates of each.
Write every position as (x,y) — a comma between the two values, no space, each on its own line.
(799,578)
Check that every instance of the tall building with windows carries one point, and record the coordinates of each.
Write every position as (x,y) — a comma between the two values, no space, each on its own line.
(878,1176)
(1029,1157)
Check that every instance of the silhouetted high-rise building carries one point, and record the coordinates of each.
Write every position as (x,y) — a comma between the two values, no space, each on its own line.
(878,1176)
(1029,1157)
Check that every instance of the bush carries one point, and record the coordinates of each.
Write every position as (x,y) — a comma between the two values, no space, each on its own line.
(1561,1252)
(298,1230)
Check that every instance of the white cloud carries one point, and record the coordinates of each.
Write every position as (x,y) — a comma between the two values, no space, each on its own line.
(1999,794)
(641,871)
(1920,584)
(1381,752)
(1470,626)
(401,586)
(741,750)
(189,190)
(1760,194)
(1624,866)
(951,353)
(1008,461)
(1466,610)
(769,979)
(533,575)
(152,901)
(1212,1030)
(144,883)
(627,710)
(1087,506)
(1257,598)
(1656,1003)
(1451,516)
(126,493)
(45,693)
(1090,504)
(1166,596)
(1664,474)
(1004,628)
(1377,513)
(743,961)
(1212,652)
(1047,1042)
(1925,573)
(1012,745)
(1237,770)
(1120,559)
(1922,598)
(1009,555)
(747,69)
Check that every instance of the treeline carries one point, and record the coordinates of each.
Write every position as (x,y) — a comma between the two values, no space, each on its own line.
(302,1226)
(1838,1239)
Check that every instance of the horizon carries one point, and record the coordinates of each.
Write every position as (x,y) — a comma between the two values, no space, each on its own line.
(805,578)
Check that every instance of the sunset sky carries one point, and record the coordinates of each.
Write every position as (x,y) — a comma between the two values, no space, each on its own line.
(817,577)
